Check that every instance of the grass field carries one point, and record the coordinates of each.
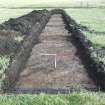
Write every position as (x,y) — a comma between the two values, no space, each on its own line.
(6,14)
(51,3)
(94,19)
(80,98)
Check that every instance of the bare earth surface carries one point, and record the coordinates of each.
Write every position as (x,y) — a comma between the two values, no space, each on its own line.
(53,62)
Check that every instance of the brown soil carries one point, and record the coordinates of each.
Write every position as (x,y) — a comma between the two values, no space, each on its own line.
(40,68)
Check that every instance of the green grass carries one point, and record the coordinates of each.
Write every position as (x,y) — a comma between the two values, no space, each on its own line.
(94,19)
(6,14)
(4,63)
(80,98)
(49,3)
(90,17)
(97,40)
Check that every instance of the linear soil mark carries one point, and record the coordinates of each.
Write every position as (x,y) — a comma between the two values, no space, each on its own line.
(53,62)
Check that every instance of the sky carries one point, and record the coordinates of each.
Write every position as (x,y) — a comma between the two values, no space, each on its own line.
(30,2)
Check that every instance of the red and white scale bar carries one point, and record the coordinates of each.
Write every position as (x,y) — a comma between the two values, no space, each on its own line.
(54,58)
(61,55)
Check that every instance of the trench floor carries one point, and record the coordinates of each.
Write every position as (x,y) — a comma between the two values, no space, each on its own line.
(53,62)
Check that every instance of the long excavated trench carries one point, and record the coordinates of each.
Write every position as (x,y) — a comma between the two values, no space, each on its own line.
(53,62)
